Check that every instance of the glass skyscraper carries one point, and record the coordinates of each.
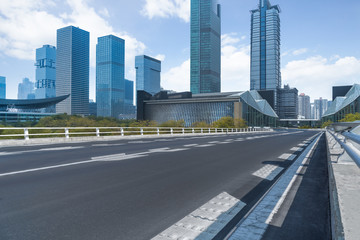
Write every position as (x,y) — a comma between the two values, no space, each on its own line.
(205,52)
(2,87)
(110,76)
(72,70)
(26,89)
(45,73)
(129,92)
(265,47)
(148,71)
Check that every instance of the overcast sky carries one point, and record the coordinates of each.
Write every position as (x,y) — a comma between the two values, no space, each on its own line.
(319,39)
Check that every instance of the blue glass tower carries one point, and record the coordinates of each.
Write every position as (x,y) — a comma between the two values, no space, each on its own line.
(205,52)
(129,92)
(2,87)
(148,71)
(110,76)
(72,70)
(26,89)
(45,73)
(265,47)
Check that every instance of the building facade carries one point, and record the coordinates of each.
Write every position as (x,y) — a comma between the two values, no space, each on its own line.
(110,76)
(265,48)
(148,71)
(45,74)
(205,55)
(320,107)
(26,89)
(208,108)
(304,106)
(72,70)
(2,87)
(288,103)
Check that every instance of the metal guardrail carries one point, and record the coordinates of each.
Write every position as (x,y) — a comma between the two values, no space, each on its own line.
(352,151)
(68,132)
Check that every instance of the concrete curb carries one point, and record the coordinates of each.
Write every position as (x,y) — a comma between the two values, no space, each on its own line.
(337,228)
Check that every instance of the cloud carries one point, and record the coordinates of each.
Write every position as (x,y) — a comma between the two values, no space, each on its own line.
(167,9)
(300,51)
(316,75)
(235,67)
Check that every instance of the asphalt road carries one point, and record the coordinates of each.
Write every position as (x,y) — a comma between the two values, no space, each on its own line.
(44,195)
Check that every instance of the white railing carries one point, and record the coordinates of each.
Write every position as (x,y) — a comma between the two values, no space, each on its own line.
(67,132)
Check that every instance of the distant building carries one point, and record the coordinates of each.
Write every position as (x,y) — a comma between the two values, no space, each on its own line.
(265,48)
(2,87)
(320,107)
(340,91)
(288,103)
(46,74)
(147,74)
(205,53)
(72,70)
(304,106)
(110,76)
(343,105)
(26,89)
(92,108)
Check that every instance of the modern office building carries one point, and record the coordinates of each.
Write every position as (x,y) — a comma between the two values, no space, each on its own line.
(110,76)
(205,55)
(288,103)
(72,70)
(45,74)
(26,89)
(340,91)
(265,48)
(342,106)
(2,87)
(148,71)
(304,106)
(207,107)
(92,108)
(320,107)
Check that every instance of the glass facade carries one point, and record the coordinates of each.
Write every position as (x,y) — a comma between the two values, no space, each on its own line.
(26,89)
(265,47)
(2,87)
(72,70)
(110,76)
(288,103)
(148,71)
(45,74)
(205,50)
(304,106)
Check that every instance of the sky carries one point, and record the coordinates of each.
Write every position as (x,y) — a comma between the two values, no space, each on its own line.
(319,39)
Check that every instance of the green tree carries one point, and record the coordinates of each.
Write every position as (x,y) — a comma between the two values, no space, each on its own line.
(202,124)
(351,117)
(240,123)
(173,123)
(224,122)
(326,124)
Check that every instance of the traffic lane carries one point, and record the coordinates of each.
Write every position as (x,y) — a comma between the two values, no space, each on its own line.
(63,154)
(134,199)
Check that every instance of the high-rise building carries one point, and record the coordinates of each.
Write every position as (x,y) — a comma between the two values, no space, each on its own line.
(110,76)
(304,106)
(25,89)
(45,74)
(72,70)
(2,87)
(320,107)
(265,48)
(147,74)
(129,92)
(288,102)
(205,55)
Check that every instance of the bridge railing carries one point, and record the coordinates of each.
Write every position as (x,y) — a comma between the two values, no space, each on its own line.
(347,135)
(67,132)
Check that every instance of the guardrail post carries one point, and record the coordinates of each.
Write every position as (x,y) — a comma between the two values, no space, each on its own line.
(97,132)
(202,131)
(215,130)
(141,131)
(222,130)
(193,130)
(183,131)
(227,131)
(67,133)
(209,130)
(158,131)
(26,134)
(122,132)
(171,131)
(232,130)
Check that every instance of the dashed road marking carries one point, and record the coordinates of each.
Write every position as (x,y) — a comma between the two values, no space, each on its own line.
(296,149)
(268,172)
(205,145)
(191,145)
(206,221)
(288,156)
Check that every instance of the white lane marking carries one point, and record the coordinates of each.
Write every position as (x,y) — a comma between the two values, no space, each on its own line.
(302,145)
(206,221)
(159,149)
(165,150)
(205,145)
(40,150)
(288,156)
(296,149)
(229,140)
(239,140)
(224,142)
(250,138)
(268,172)
(108,145)
(118,157)
(255,225)
(191,145)
(214,142)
